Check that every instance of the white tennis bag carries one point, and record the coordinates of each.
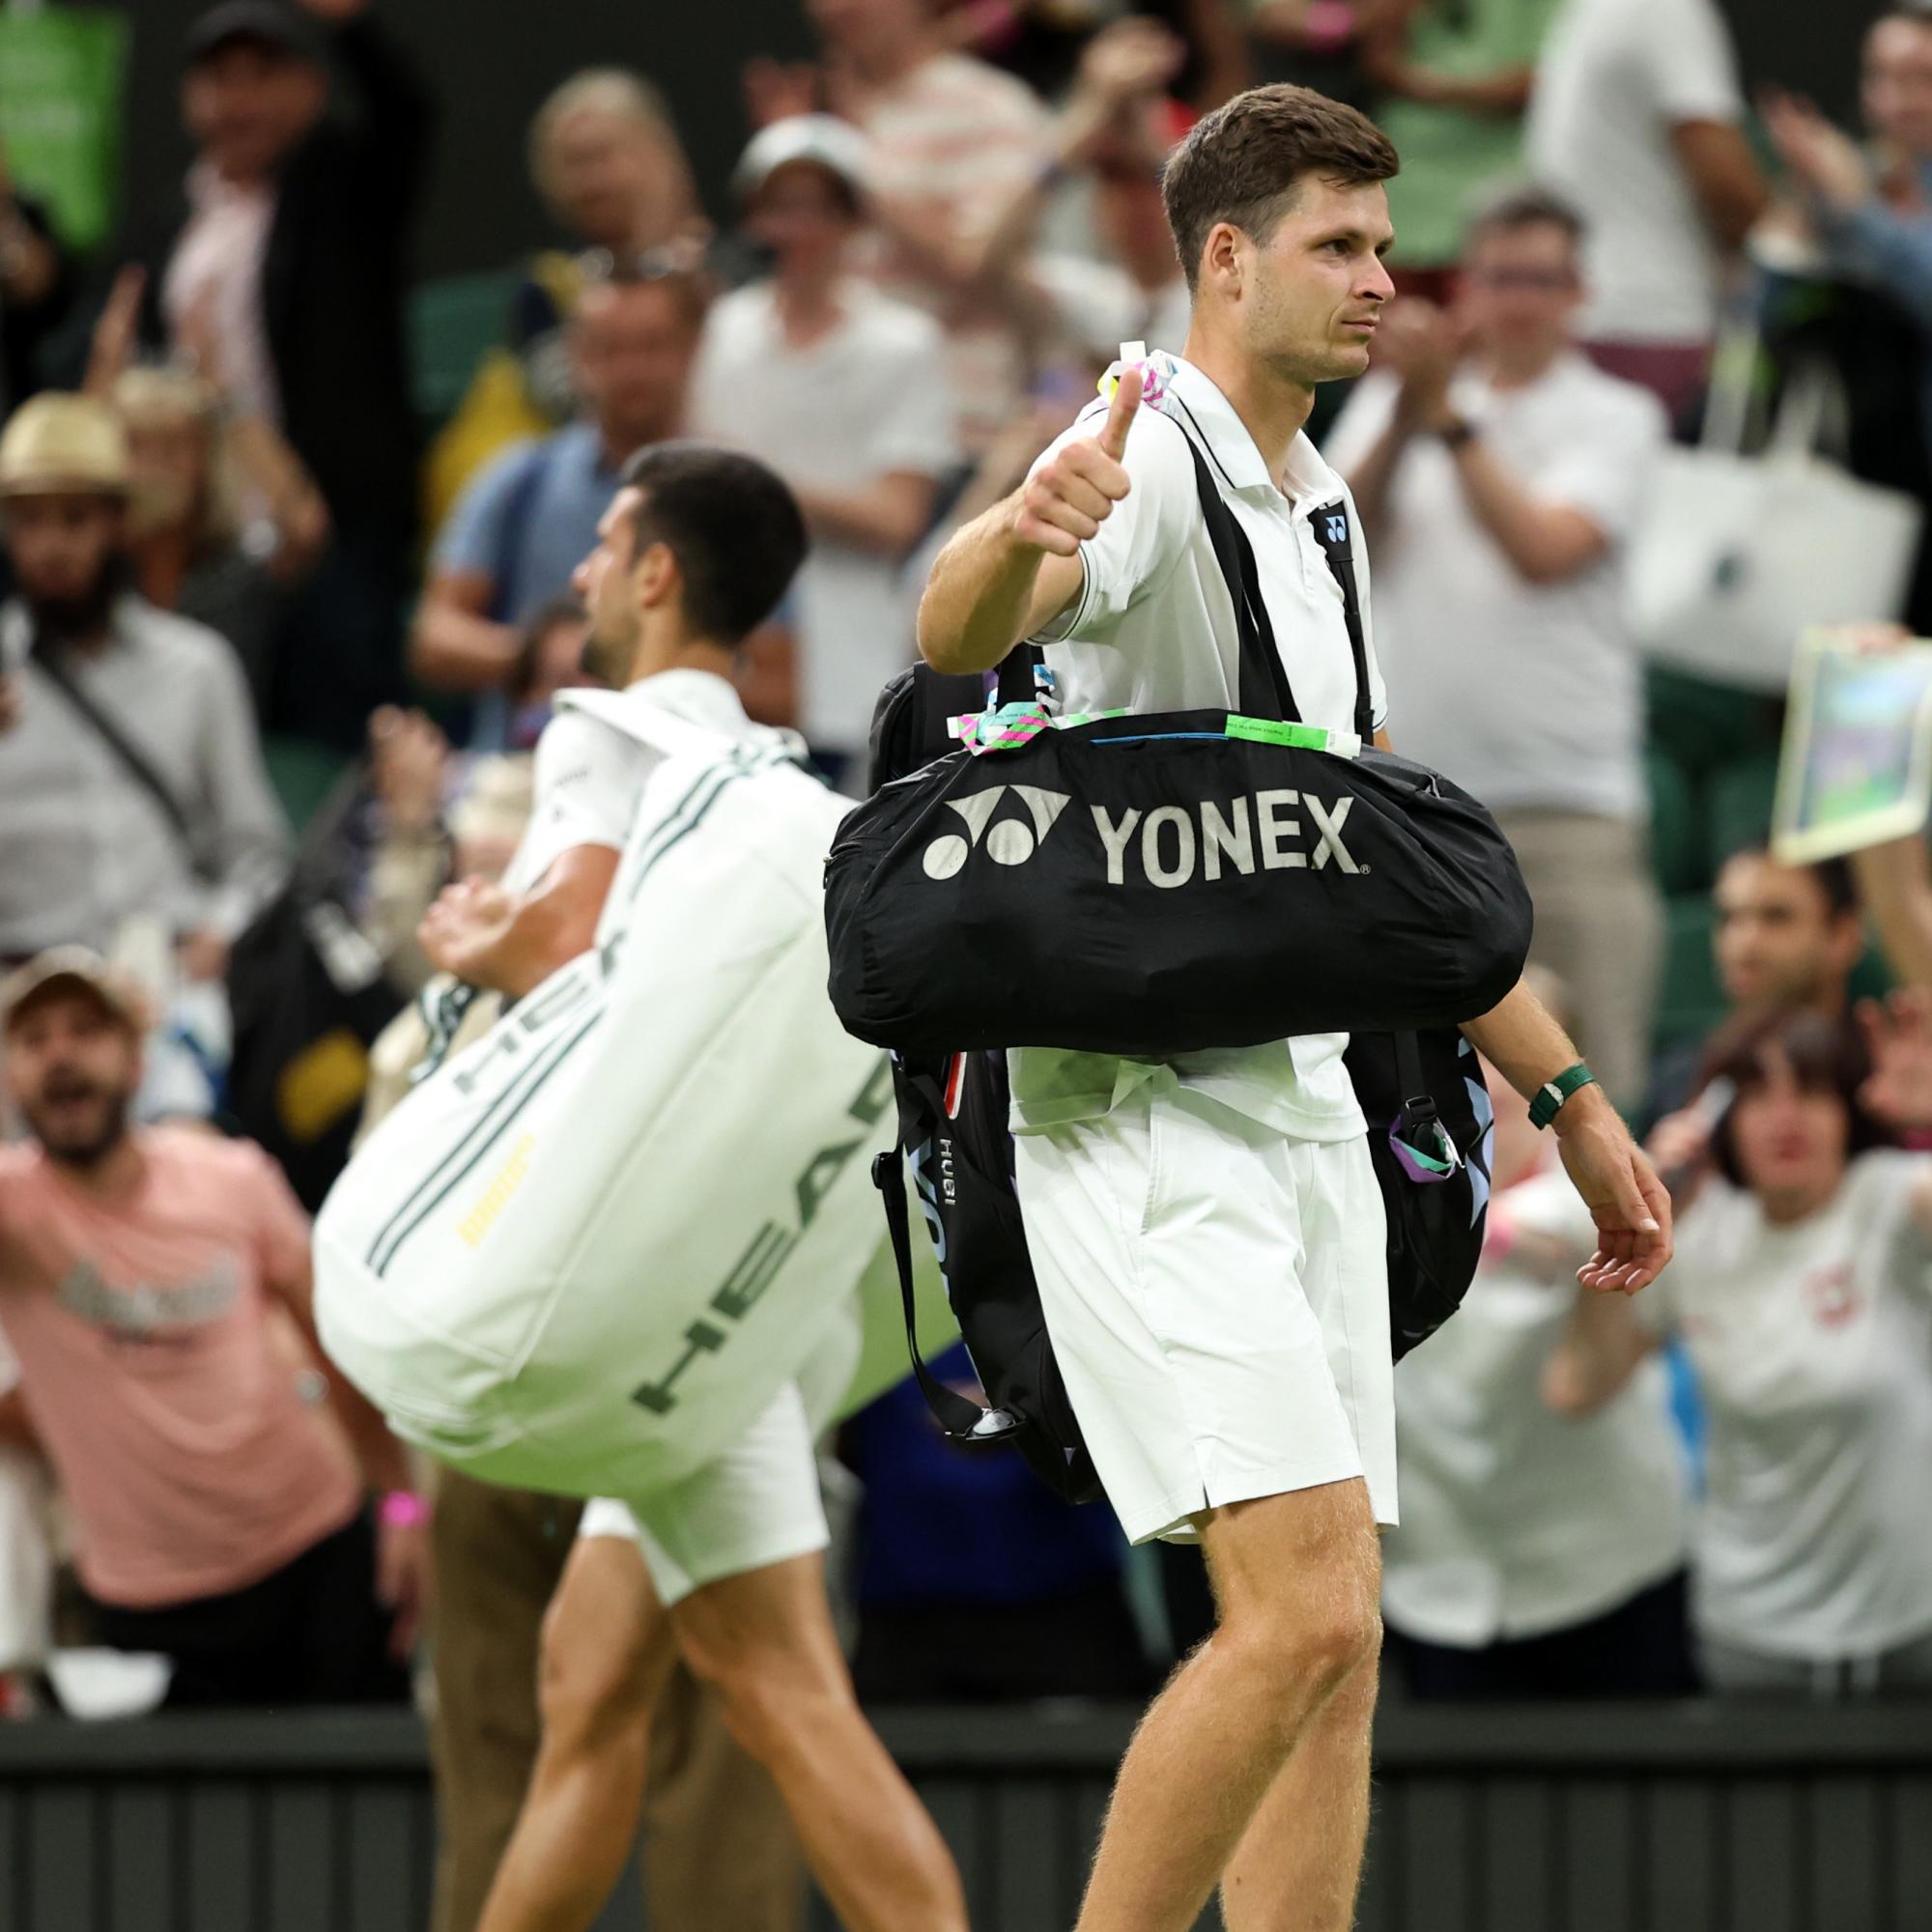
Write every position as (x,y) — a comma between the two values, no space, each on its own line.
(586,1252)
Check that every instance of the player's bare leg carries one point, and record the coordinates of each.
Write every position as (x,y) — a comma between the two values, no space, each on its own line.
(1298,1865)
(765,1639)
(1295,1581)
(607,1649)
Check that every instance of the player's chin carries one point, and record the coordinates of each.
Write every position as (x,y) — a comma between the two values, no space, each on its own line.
(1354,349)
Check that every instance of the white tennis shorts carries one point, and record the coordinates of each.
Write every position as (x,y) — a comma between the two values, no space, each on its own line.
(1217,1296)
(756,1504)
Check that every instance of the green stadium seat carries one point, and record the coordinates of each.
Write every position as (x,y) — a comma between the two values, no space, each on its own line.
(1689,1003)
(1678,858)
(303,774)
(453,322)
(1738,801)
(1703,725)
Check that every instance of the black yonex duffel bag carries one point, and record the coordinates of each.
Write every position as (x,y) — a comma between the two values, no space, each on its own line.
(1152,885)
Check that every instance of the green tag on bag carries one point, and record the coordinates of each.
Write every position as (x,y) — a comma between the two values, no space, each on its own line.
(1274,731)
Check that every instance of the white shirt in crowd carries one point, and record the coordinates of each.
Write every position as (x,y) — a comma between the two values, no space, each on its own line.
(867,400)
(1517,1521)
(589,775)
(1530,695)
(215,271)
(1616,76)
(1153,629)
(1812,1345)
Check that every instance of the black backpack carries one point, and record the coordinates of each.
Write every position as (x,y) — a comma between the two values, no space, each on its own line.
(1422,1092)
(308,994)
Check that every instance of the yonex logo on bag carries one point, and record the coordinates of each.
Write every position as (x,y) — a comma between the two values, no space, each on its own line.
(1174,840)
(1335,529)
(1009,842)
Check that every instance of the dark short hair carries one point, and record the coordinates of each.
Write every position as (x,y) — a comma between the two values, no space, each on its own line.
(1837,884)
(1827,1056)
(1244,164)
(1516,208)
(732,524)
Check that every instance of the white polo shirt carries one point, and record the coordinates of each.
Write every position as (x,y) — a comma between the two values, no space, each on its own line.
(1812,1345)
(1154,628)
(589,776)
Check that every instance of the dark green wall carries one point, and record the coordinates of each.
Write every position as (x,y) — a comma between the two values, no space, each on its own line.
(494,58)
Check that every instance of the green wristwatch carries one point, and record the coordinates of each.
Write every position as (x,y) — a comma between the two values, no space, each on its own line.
(1552,1094)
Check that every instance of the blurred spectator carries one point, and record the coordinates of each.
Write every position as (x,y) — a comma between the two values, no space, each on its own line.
(132,783)
(1785,936)
(1802,1291)
(1500,475)
(289,250)
(1538,1555)
(974,1583)
(524,525)
(842,390)
(1873,214)
(1863,230)
(37,278)
(221,1521)
(1451,80)
(1634,119)
(1115,131)
(951,140)
(608,162)
(222,518)
(1318,44)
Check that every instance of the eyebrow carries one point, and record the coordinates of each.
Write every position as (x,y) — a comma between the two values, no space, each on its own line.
(1354,235)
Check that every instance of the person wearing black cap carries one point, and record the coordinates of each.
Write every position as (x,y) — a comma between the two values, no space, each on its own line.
(286,252)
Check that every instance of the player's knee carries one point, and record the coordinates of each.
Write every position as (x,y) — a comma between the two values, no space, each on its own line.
(1313,1644)
(589,1693)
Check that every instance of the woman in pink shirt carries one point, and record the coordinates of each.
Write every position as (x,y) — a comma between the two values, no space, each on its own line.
(220,1518)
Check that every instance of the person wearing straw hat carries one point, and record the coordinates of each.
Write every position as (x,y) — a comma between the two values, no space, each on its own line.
(131,781)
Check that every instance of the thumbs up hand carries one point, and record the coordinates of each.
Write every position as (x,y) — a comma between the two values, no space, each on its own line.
(1069,498)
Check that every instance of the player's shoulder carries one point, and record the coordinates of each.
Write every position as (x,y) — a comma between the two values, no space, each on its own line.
(579,748)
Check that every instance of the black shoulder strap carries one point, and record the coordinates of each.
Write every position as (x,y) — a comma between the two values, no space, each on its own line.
(962,1419)
(132,761)
(1265,692)
(1332,531)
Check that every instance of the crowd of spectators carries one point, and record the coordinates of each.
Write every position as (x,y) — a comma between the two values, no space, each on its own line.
(225,523)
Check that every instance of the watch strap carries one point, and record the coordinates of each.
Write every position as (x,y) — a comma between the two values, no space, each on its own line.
(1547,1101)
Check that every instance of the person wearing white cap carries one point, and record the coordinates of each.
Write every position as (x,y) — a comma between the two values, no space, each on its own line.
(131,782)
(844,392)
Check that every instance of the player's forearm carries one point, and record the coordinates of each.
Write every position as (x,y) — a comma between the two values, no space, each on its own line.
(1546,543)
(456,650)
(546,936)
(1519,1037)
(980,596)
